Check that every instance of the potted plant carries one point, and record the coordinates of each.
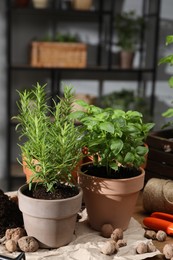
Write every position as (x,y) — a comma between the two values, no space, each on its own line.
(160,157)
(128,27)
(52,149)
(111,178)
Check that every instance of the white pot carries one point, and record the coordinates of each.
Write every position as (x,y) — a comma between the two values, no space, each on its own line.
(51,222)
(40,3)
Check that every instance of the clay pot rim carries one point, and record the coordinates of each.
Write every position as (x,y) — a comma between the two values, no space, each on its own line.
(117,180)
(110,187)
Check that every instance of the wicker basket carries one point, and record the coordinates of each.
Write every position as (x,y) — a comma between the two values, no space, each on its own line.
(62,55)
(82,4)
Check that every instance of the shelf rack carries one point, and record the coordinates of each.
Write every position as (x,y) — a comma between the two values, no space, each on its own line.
(150,11)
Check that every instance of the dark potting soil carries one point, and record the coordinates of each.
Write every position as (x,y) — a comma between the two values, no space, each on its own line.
(10,215)
(121,173)
(61,191)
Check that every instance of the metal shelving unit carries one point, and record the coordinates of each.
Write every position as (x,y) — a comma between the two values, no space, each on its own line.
(18,17)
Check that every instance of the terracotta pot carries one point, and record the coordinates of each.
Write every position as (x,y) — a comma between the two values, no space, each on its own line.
(126,59)
(51,222)
(28,173)
(75,172)
(110,201)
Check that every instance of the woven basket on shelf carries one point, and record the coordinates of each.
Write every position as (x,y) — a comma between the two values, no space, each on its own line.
(82,4)
(55,54)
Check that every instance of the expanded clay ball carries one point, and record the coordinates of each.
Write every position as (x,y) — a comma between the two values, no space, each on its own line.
(11,245)
(117,234)
(161,235)
(106,230)
(150,234)
(110,247)
(151,247)
(141,248)
(14,233)
(168,251)
(121,243)
(28,244)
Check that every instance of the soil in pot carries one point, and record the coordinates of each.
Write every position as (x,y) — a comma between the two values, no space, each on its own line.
(61,191)
(122,173)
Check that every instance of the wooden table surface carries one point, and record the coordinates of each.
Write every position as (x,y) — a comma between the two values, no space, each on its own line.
(139,215)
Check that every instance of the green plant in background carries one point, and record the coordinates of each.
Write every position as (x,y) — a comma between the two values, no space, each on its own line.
(168,59)
(49,135)
(126,100)
(117,100)
(66,38)
(113,137)
(128,27)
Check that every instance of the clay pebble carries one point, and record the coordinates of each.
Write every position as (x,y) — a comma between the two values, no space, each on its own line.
(121,243)
(117,234)
(14,233)
(28,244)
(151,247)
(161,235)
(106,230)
(151,234)
(141,248)
(110,247)
(11,245)
(168,251)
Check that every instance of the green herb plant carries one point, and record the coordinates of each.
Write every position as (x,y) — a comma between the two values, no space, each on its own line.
(113,137)
(168,59)
(49,136)
(128,27)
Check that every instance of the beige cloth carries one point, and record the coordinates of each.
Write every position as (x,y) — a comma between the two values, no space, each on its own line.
(87,243)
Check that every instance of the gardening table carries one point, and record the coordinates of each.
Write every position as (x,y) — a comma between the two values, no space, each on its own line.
(87,242)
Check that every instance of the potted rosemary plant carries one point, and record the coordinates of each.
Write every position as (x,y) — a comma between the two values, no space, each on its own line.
(112,177)
(128,27)
(52,149)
